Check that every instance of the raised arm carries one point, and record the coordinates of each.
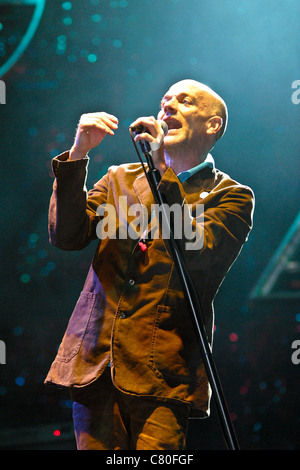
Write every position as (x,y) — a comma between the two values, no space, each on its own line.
(72,221)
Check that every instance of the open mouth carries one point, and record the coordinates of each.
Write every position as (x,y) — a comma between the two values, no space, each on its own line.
(172,123)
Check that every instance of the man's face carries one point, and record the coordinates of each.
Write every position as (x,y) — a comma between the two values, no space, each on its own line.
(186,109)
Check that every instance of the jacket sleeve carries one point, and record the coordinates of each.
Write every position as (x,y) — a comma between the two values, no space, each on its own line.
(73,211)
(214,235)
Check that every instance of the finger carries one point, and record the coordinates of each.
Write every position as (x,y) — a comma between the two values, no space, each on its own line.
(144,121)
(144,136)
(94,119)
(112,118)
(95,130)
(109,122)
(149,123)
(102,124)
(102,114)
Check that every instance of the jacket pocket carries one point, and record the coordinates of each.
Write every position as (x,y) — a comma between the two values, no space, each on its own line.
(85,323)
(173,350)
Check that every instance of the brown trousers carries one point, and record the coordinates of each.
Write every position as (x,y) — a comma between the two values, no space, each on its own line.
(107,419)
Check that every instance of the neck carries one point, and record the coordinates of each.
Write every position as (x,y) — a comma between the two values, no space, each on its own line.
(182,161)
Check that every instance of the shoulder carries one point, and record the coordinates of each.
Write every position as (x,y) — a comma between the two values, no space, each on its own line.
(129,168)
(226,183)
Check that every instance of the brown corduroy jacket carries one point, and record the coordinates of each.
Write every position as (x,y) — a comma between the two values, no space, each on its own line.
(131,314)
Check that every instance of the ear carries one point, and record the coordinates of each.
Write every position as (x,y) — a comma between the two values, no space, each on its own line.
(214,124)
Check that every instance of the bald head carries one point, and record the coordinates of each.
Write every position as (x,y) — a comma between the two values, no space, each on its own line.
(210,100)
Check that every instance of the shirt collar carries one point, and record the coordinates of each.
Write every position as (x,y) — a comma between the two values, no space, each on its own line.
(208,163)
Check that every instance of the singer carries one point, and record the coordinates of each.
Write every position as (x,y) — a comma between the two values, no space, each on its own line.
(130,356)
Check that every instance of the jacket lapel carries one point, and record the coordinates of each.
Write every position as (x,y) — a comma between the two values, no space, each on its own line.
(143,191)
(199,185)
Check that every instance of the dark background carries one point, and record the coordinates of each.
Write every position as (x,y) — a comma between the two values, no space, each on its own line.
(121,57)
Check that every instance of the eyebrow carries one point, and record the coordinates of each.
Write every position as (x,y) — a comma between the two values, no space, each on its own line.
(180,95)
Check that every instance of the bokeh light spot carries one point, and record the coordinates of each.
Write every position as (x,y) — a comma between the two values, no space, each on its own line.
(117,43)
(233,337)
(67,6)
(25,278)
(92,58)
(20,381)
(67,21)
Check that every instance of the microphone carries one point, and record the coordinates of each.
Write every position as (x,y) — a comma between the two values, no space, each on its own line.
(147,148)
(139,128)
(164,126)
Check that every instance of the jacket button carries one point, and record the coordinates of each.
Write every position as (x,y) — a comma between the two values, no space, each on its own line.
(131,282)
(122,315)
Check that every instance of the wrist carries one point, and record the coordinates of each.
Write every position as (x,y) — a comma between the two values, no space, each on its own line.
(76,154)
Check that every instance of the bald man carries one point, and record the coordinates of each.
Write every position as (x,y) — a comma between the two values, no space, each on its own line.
(130,354)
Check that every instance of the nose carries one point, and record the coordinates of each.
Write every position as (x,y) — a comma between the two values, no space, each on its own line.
(170,106)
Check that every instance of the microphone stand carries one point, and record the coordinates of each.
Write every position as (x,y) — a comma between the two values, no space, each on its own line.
(153,177)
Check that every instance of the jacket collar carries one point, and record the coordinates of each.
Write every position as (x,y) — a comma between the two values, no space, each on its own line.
(201,177)
(208,163)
